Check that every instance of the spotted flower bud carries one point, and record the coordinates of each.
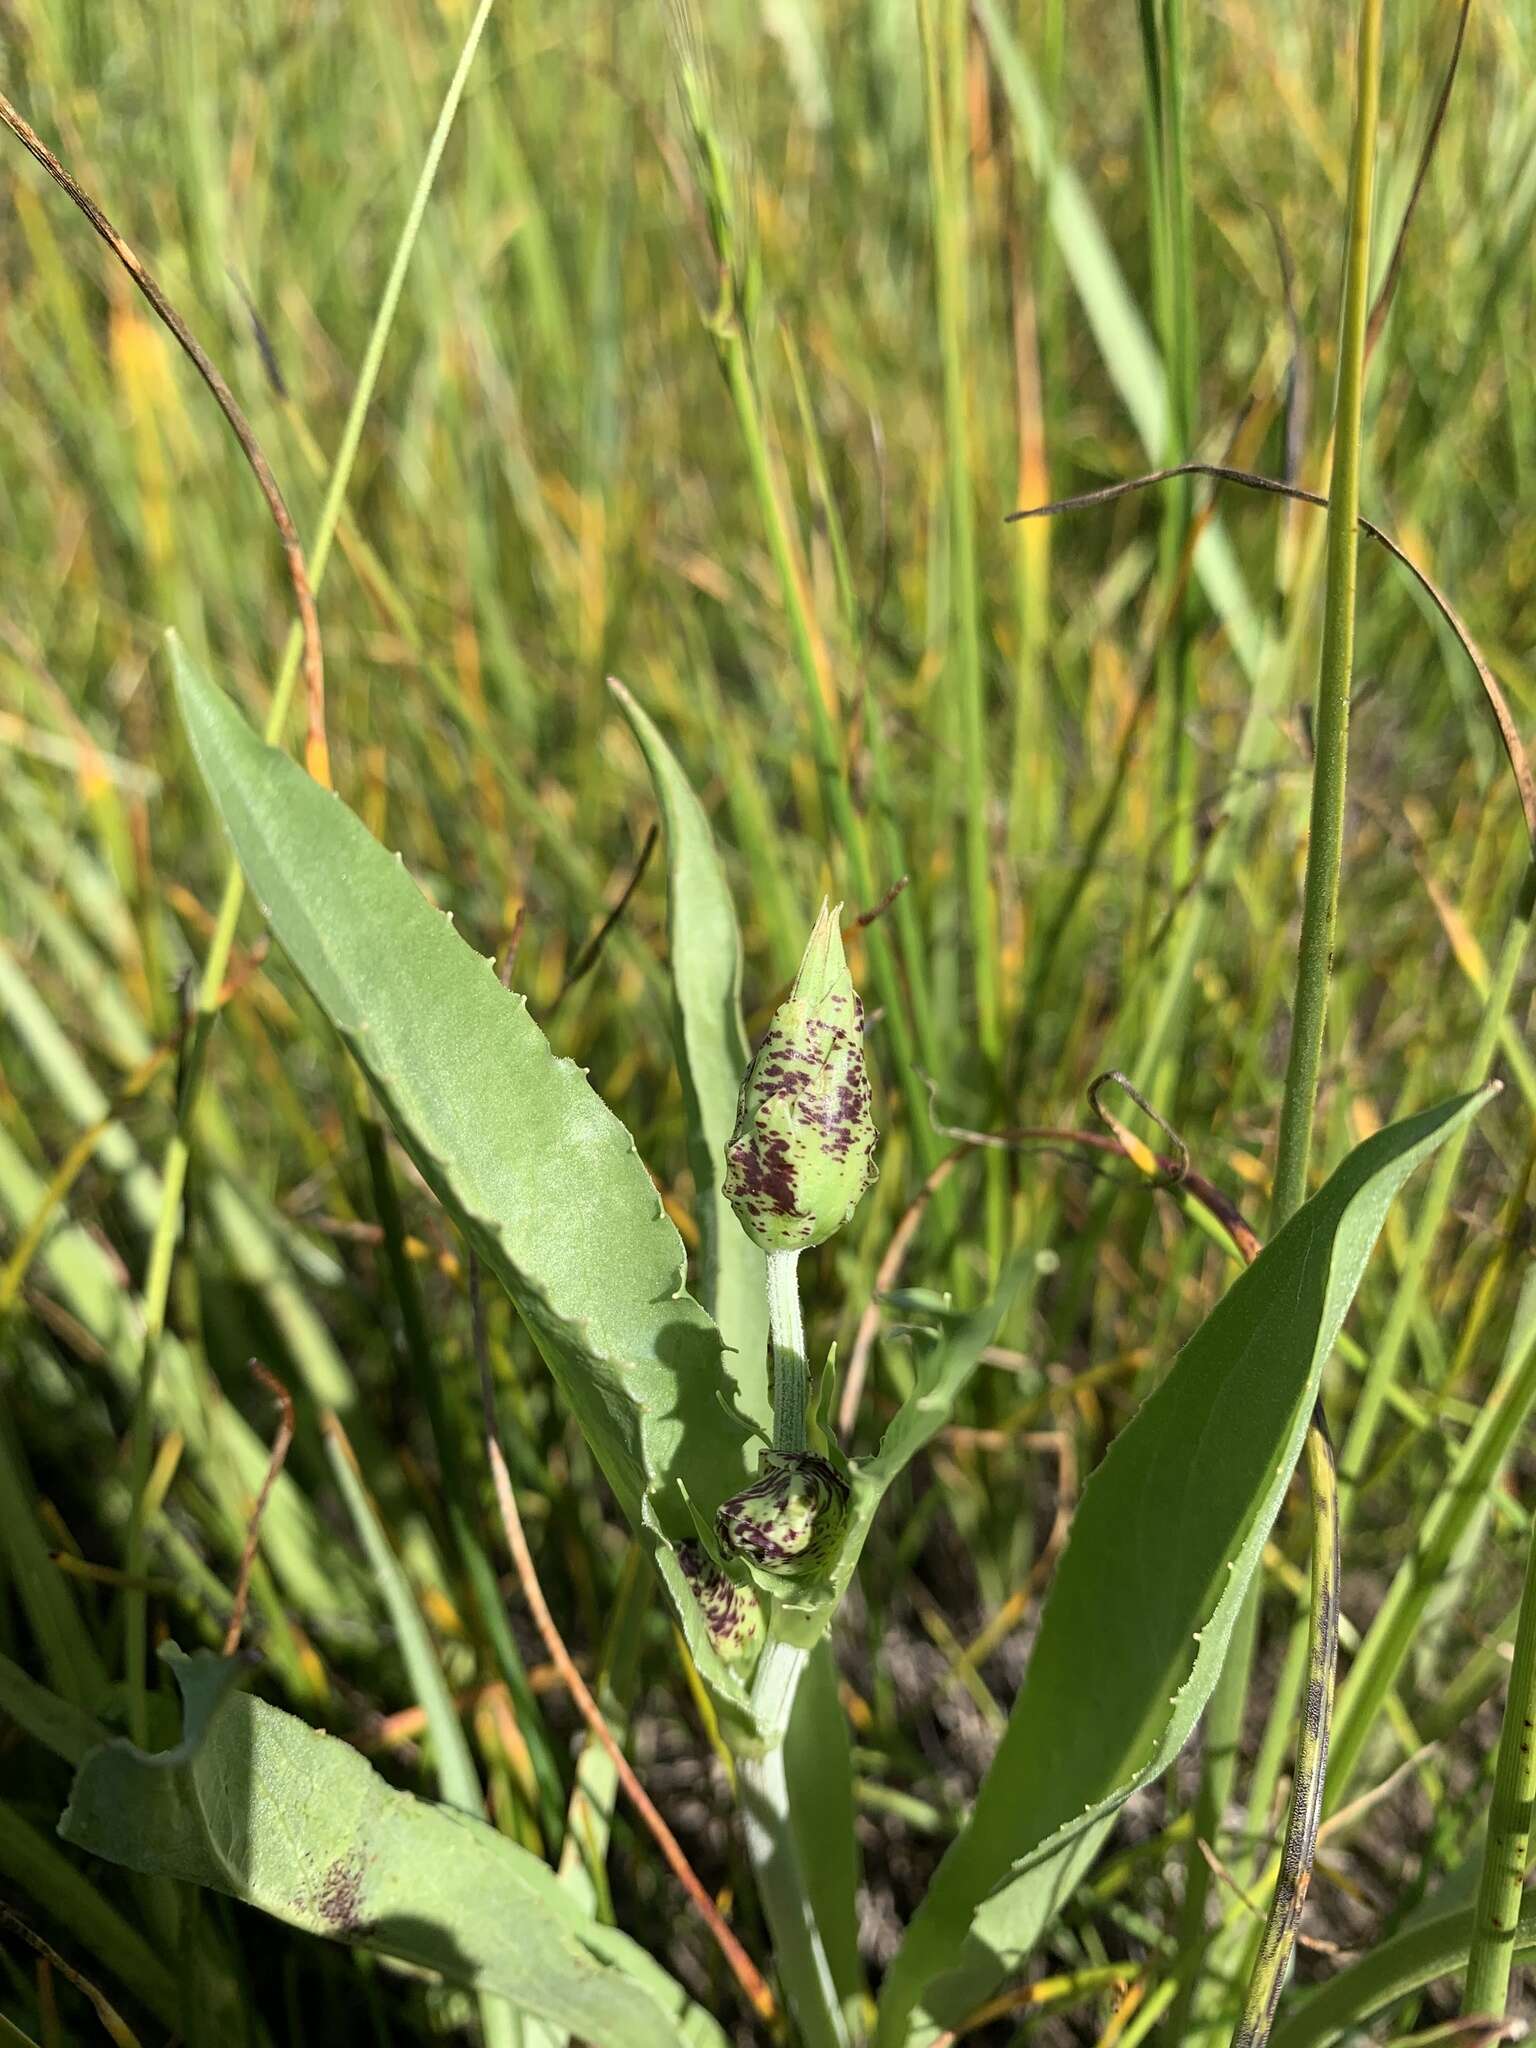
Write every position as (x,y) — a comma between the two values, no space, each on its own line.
(802,1152)
(790,1520)
(733,1617)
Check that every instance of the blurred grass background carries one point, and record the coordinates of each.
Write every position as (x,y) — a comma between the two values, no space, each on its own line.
(949,266)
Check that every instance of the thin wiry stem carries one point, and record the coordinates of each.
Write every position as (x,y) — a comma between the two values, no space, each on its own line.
(1394,268)
(745,1971)
(316,753)
(1284,1922)
(275,1463)
(1498,703)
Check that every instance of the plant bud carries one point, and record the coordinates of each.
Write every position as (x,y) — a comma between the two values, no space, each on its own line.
(802,1152)
(733,1617)
(790,1520)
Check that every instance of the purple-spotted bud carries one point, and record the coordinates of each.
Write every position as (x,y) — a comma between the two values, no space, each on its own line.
(802,1152)
(733,1615)
(790,1520)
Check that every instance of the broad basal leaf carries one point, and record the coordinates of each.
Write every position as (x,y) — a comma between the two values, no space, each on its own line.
(544,1179)
(705,944)
(1168,1535)
(257,1804)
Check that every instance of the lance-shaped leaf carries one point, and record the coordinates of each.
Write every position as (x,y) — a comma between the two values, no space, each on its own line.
(705,946)
(1163,1546)
(256,1803)
(543,1177)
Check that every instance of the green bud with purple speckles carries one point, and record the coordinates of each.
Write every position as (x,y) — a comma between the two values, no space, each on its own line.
(733,1615)
(802,1152)
(790,1520)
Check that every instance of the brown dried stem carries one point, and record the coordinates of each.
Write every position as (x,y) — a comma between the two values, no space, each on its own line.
(275,1464)
(745,1971)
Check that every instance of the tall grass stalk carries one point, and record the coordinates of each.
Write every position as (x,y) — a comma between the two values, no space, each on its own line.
(1320,894)
(1162,36)
(167,1232)
(1319,919)
(731,325)
(944,75)
(1507,1852)
(741,379)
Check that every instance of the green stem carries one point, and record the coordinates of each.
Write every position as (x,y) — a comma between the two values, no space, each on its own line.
(1319,919)
(1320,896)
(216,964)
(799,1952)
(1508,1847)
(946,162)
(786,1342)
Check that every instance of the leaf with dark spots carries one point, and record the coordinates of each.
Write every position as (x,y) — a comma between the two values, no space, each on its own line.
(254,1803)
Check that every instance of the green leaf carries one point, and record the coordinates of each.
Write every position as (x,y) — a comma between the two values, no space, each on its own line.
(1163,1546)
(543,1178)
(705,944)
(256,1804)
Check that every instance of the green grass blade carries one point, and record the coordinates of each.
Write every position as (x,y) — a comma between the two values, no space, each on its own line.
(55,1885)
(65,1729)
(1129,354)
(452,1763)
(1339,2011)
(1507,1851)
(1473,1474)
(70,1657)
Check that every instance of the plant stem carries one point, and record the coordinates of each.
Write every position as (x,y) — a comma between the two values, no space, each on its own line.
(786,1344)
(1306,1810)
(1319,918)
(947,160)
(1508,1848)
(1320,896)
(178,1155)
(763,1779)
(799,1952)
